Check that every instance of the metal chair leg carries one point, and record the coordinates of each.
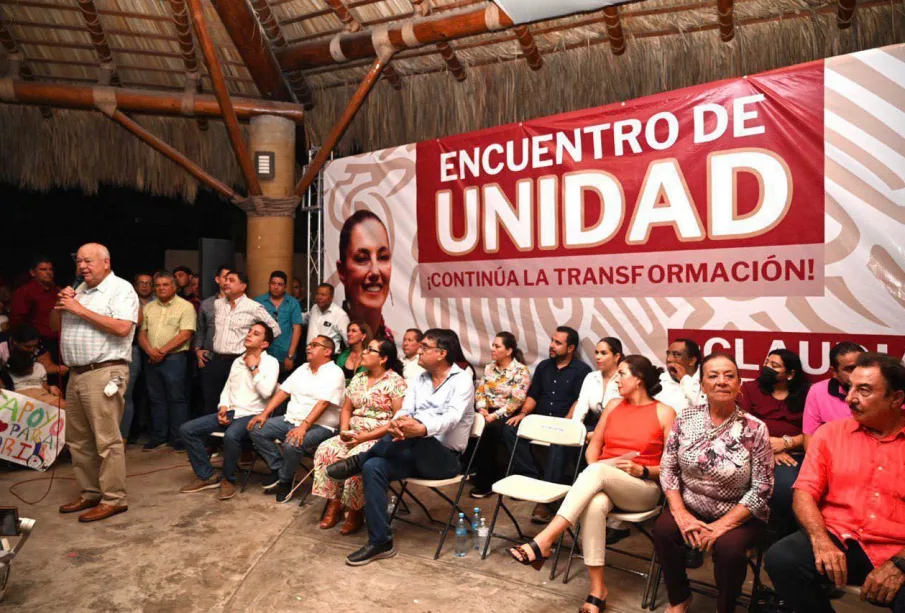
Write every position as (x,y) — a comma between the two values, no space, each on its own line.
(454,506)
(496,512)
(565,578)
(556,557)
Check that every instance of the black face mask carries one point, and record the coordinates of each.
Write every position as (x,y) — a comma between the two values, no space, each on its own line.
(838,390)
(767,379)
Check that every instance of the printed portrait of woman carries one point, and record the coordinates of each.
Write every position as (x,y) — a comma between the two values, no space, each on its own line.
(364,267)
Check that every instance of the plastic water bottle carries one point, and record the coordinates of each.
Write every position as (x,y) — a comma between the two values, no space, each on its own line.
(461,536)
(475,524)
(391,506)
(481,536)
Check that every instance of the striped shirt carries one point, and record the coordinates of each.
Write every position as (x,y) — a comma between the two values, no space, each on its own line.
(81,342)
(232,324)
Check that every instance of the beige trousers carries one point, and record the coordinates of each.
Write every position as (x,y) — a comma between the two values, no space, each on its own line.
(598,490)
(92,433)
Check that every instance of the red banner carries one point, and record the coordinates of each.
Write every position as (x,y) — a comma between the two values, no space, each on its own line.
(715,190)
(750,348)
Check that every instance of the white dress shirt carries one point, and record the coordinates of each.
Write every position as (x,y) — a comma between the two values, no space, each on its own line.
(331,323)
(81,342)
(672,394)
(410,368)
(447,412)
(231,324)
(307,388)
(593,397)
(247,393)
(691,385)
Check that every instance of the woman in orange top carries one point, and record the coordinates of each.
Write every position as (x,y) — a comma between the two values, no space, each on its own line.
(634,425)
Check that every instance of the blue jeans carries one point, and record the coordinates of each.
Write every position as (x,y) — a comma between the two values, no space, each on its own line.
(523,463)
(166,390)
(195,432)
(387,461)
(135,366)
(286,463)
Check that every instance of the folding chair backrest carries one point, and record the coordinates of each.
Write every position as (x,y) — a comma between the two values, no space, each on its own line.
(552,430)
(477,428)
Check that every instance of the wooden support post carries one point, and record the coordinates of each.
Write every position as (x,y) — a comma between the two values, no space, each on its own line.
(158,145)
(724,9)
(271,240)
(614,30)
(146,101)
(314,167)
(222,94)
(845,14)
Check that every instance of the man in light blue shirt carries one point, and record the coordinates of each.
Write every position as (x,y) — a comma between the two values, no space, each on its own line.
(425,439)
(287,312)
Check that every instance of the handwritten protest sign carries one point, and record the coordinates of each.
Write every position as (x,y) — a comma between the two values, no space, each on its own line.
(31,432)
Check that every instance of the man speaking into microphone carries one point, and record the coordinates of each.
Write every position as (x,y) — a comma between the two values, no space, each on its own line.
(97,319)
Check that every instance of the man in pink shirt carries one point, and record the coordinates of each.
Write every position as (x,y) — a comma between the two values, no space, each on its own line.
(826,399)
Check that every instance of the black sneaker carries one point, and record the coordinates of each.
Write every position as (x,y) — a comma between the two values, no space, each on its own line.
(283,491)
(369,553)
(179,447)
(271,481)
(342,470)
(614,535)
(151,445)
(478,493)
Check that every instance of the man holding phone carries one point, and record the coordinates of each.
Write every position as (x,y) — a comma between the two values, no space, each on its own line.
(252,381)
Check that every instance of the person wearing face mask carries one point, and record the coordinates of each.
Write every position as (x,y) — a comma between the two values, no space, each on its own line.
(365,267)
(777,398)
(826,399)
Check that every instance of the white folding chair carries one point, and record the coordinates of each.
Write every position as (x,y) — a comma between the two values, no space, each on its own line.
(477,430)
(536,429)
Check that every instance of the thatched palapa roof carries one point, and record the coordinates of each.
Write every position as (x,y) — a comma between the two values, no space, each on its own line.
(426,92)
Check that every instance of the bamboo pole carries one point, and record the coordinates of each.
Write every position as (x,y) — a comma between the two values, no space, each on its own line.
(367,84)
(297,80)
(158,145)
(529,47)
(149,102)
(222,94)
(99,39)
(845,14)
(425,31)
(724,10)
(614,30)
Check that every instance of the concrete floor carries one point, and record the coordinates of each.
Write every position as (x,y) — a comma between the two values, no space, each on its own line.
(191,552)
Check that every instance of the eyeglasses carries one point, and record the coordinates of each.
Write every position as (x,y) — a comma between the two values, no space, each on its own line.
(317,345)
(428,348)
(369,350)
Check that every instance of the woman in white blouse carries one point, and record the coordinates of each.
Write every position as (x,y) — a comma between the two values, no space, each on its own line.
(599,387)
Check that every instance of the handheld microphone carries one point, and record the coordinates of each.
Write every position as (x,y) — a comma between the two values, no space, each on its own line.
(77,281)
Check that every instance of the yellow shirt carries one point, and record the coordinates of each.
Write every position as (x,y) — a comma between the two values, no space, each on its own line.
(164,321)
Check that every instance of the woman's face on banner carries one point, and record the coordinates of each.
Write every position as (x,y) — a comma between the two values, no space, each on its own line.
(366,271)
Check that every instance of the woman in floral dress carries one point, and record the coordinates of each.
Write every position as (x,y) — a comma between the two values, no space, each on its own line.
(372,398)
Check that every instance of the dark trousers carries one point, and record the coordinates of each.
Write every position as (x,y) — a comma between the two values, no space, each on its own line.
(488,466)
(730,560)
(213,378)
(790,565)
(781,514)
(523,463)
(386,461)
(195,433)
(166,389)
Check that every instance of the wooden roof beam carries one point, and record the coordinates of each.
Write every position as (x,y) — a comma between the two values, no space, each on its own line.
(614,30)
(845,14)
(107,74)
(246,33)
(187,50)
(413,33)
(529,47)
(423,8)
(724,10)
(297,81)
(351,24)
(17,59)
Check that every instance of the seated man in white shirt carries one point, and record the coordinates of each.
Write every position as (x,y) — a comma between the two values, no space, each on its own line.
(252,380)
(425,439)
(315,393)
(681,382)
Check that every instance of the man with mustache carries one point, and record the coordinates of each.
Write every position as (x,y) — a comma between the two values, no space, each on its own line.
(826,399)
(848,500)
(681,383)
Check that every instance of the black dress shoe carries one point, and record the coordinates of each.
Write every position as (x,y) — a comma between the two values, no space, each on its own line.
(283,491)
(342,470)
(614,535)
(369,553)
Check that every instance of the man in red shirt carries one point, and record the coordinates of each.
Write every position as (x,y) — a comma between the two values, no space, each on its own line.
(33,302)
(850,500)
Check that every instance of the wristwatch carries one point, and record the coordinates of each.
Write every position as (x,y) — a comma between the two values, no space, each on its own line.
(787,441)
(899,561)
